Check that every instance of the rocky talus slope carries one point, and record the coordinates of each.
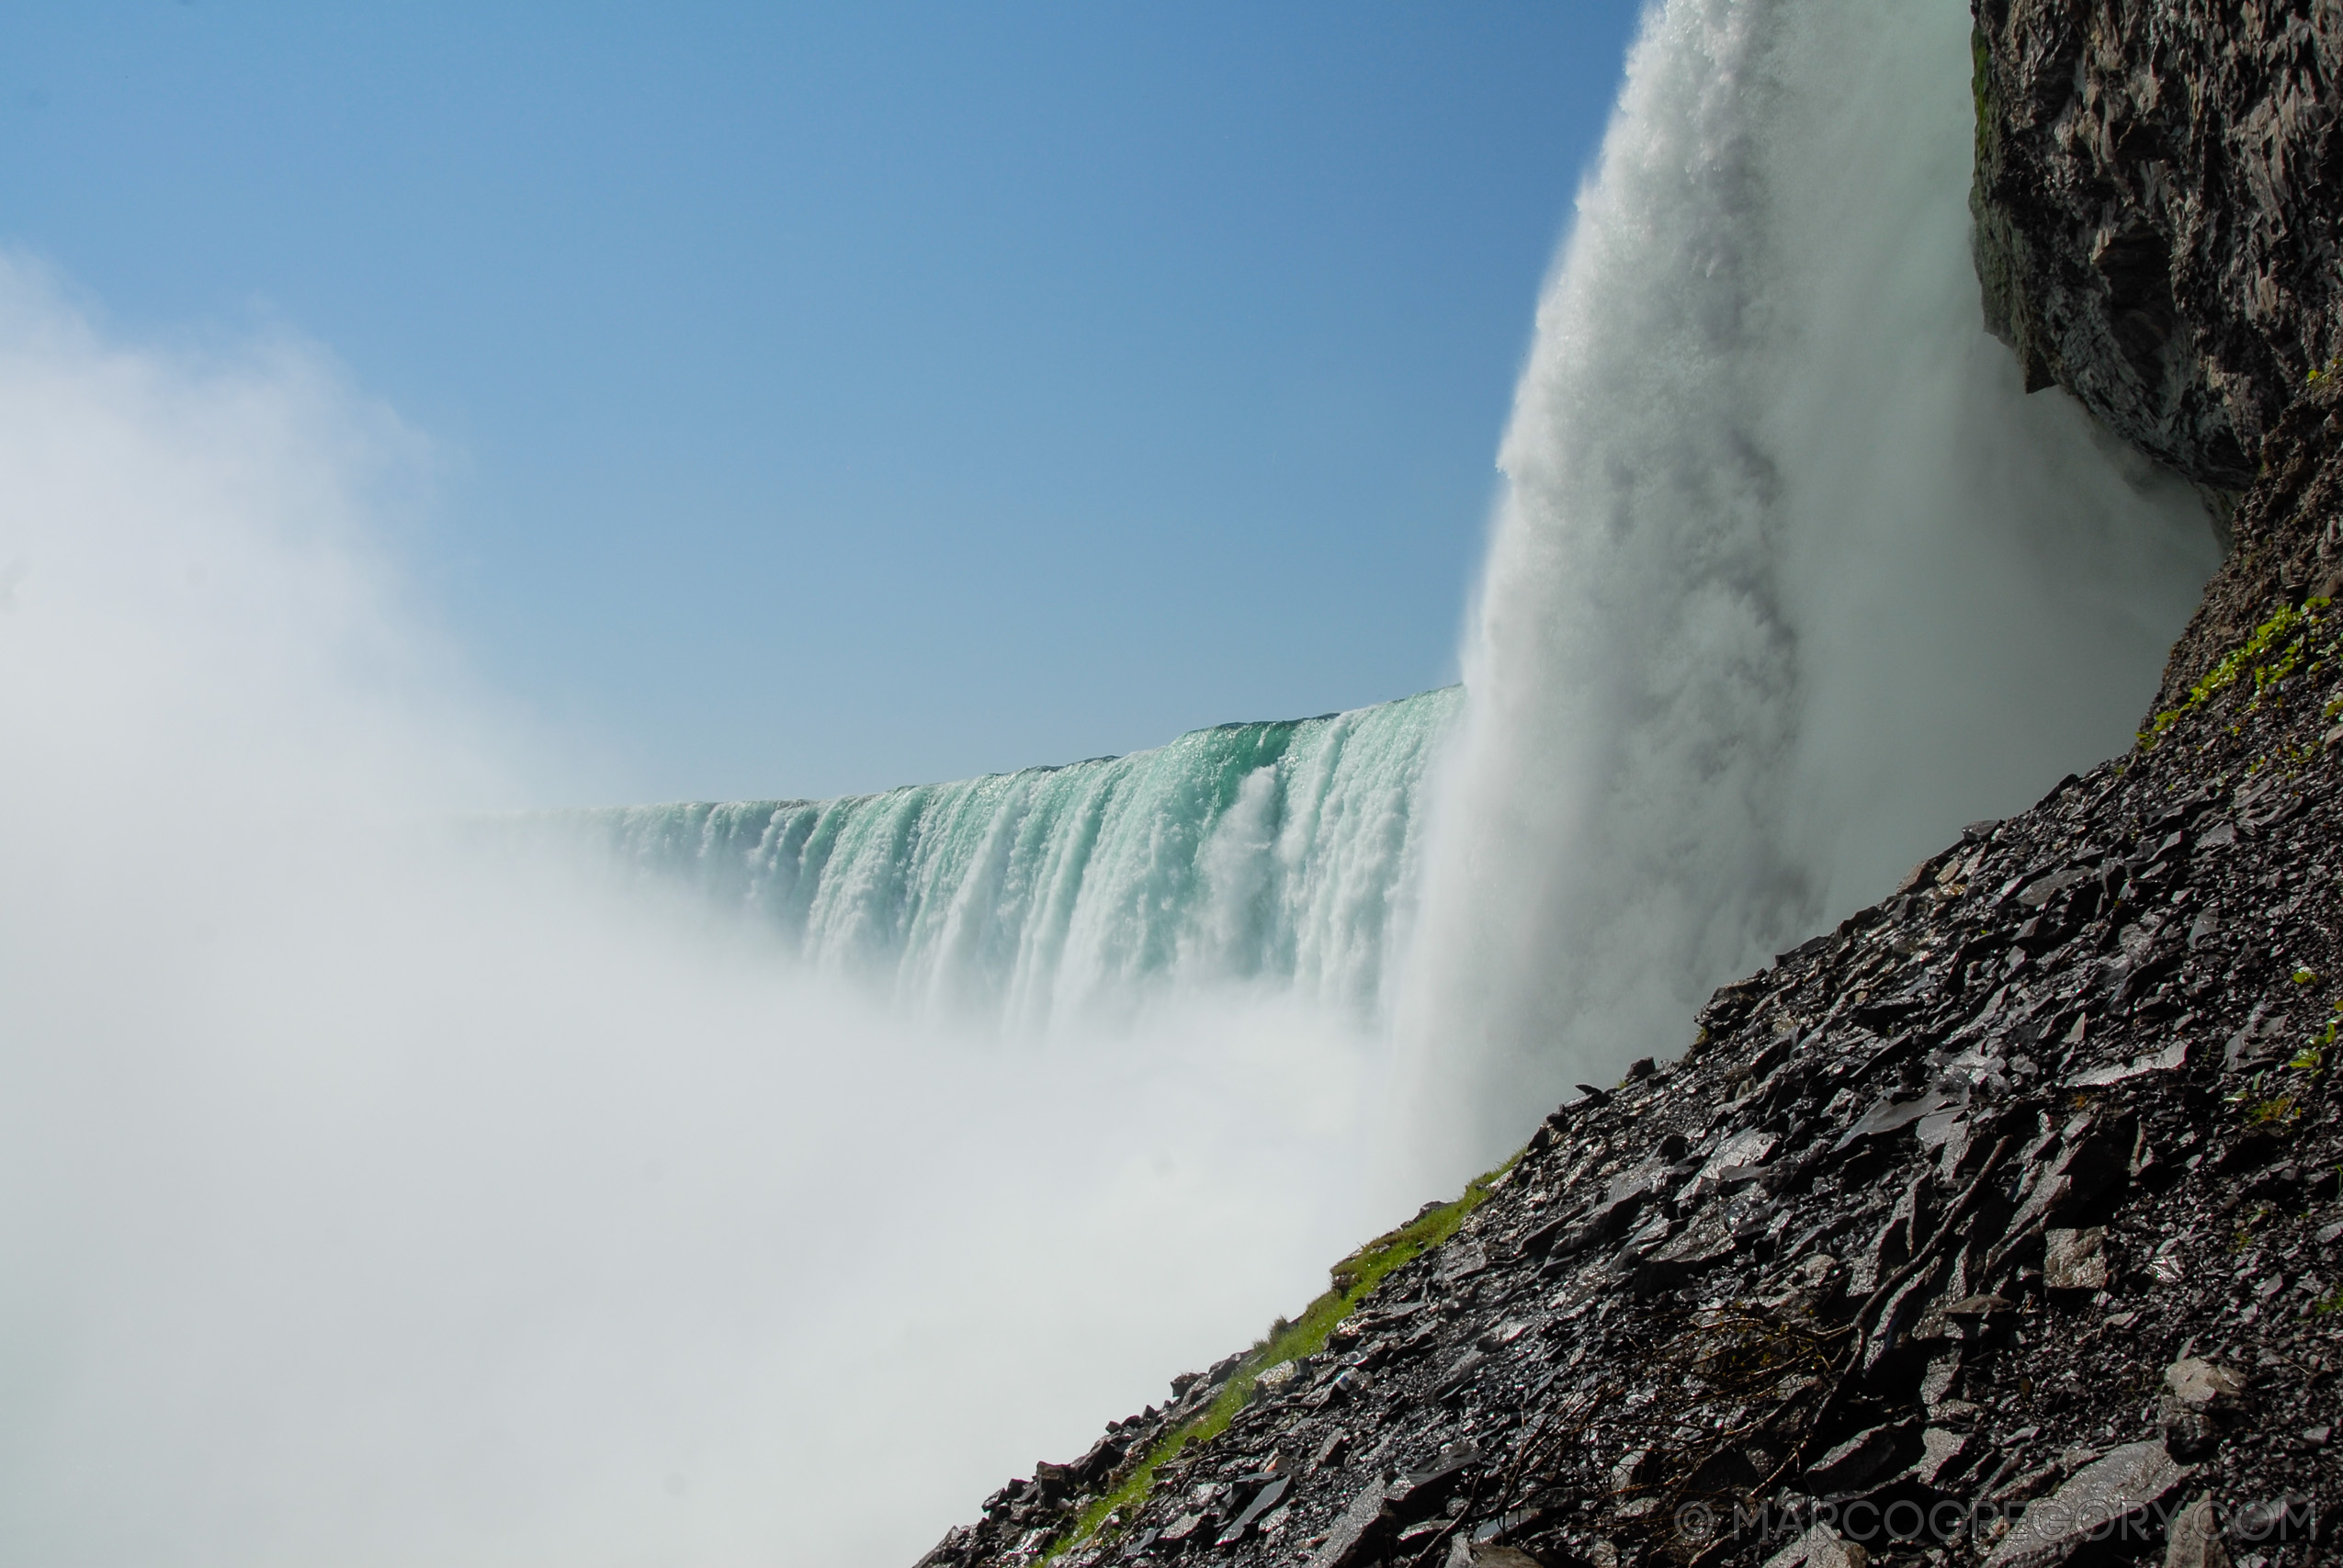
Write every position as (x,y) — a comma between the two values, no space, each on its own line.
(2000,1225)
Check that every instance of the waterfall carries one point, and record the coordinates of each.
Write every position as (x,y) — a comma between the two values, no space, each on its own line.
(1788,580)
(1278,854)
(1789,577)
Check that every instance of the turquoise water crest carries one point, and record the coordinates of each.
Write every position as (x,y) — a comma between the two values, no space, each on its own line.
(1279,852)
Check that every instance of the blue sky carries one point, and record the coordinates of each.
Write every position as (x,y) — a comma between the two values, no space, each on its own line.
(834,397)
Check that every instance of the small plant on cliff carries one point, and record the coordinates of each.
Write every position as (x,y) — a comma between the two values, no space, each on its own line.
(2270,1106)
(2278,648)
(2312,1058)
(2282,1111)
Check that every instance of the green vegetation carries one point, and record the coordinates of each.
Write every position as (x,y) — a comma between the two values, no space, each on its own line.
(2276,1106)
(2280,646)
(2293,758)
(1354,1277)
(2312,1058)
(2282,1110)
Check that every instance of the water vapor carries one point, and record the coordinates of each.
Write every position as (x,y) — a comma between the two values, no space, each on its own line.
(370,1200)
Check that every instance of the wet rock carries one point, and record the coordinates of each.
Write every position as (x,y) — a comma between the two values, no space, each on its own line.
(2096,1158)
(1609,1221)
(1354,1531)
(1459,1373)
(2169,1060)
(2195,1383)
(2108,1499)
(1186,1525)
(2194,1538)
(1466,1553)
(2269,1523)
(2259,1042)
(1708,1240)
(1263,1501)
(1737,1161)
(1540,1239)
(1967,1318)
(952,1549)
(2074,1259)
(2043,889)
(1820,1547)
(1419,1490)
(1462,1259)
(1890,1114)
(2188,1435)
(1941,1453)
(1937,1382)
(1856,1460)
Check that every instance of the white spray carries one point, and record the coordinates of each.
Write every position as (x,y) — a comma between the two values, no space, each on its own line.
(369,1205)
(1789,579)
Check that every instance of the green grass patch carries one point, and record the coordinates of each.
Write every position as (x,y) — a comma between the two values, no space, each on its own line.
(1354,1277)
(2278,648)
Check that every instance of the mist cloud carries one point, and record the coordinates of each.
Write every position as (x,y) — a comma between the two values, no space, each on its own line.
(372,1200)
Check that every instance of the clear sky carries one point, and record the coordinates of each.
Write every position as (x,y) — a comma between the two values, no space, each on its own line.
(830,397)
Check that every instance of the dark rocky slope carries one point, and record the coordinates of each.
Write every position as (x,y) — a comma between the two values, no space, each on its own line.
(2000,1224)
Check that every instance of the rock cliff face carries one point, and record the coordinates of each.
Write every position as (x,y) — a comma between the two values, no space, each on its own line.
(2001,1225)
(2158,189)
(2287,540)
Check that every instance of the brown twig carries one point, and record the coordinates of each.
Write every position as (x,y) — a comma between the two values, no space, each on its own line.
(1864,1321)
